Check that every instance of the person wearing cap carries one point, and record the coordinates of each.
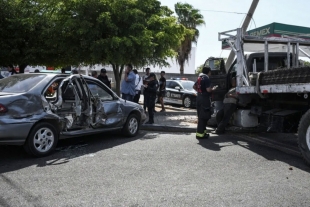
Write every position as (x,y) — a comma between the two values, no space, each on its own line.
(138,85)
(128,84)
(74,72)
(162,90)
(104,78)
(150,87)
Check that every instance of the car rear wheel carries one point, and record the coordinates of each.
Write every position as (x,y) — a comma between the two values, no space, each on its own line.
(131,126)
(187,102)
(42,140)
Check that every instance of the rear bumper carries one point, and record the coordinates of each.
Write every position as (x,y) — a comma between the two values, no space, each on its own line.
(14,134)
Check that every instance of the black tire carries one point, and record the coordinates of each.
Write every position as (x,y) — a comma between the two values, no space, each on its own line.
(187,102)
(47,141)
(304,136)
(132,125)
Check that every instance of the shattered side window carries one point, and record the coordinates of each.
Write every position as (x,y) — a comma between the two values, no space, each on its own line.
(20,83)
(99,92)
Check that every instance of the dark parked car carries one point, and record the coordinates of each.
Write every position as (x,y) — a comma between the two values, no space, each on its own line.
(36,110)
(180,92)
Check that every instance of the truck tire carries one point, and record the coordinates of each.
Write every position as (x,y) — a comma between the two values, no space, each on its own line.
(304,136)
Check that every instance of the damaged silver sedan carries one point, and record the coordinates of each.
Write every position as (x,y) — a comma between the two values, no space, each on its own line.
(36,110)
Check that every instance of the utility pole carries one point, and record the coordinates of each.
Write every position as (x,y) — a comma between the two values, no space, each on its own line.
(245,25)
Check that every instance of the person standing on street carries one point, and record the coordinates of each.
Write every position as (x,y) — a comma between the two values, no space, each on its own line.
(138,85)
(230,105)
(94,74)
(128,84)
(11,70)
(151,89)
(104,78)
(203,88)
(145,77)
(162,90)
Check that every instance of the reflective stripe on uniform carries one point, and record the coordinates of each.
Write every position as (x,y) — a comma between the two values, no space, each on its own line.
(200,135)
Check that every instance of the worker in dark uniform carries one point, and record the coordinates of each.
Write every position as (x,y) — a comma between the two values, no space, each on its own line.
(203,88)
(104,78)
(230,104)
(150,89)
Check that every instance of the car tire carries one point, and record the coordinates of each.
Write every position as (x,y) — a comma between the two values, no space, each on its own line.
(304,136)
(131,127)
(41,140)
(187,102)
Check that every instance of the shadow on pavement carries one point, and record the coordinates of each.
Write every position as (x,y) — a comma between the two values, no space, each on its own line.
(216,143)
(14,158)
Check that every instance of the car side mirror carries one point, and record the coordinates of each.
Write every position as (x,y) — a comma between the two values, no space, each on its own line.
(177,88)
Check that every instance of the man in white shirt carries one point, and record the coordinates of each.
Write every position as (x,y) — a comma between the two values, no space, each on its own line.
(138,85)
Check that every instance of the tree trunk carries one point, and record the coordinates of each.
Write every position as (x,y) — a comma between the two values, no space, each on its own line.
(22,67)
(118,71)
(182,68)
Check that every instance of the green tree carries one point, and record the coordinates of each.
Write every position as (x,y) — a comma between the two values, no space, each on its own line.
(305,63)
(199,69)
(116,32)
(21,26)
(191,19)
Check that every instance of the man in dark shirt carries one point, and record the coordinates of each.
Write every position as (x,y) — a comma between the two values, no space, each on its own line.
(104,78)
(151,88)
(230,104)
(162,90)
(203,88)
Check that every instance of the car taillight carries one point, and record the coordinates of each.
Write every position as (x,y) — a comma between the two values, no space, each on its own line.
(3,109)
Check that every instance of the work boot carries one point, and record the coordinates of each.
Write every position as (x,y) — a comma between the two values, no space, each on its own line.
(206,136)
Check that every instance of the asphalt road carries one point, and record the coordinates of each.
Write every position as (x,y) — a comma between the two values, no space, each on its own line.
(154,169)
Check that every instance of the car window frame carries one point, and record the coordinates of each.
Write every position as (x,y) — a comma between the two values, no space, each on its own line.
(103,87)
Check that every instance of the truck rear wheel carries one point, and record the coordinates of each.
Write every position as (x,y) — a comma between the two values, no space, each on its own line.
(304,136)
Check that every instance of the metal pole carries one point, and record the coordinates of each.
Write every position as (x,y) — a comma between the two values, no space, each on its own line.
(245,25)
(266,56)
(294,55)
(297,55)
(254,66)
(288,55)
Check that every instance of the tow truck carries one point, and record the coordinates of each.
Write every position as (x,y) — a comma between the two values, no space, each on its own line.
(273,87)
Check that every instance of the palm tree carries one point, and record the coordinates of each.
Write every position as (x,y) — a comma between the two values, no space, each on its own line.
(191,19)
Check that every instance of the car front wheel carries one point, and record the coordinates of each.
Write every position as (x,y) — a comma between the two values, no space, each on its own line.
(42,140)
(131,126)
(187,102)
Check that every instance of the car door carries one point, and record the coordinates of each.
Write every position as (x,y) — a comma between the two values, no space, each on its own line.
(109,102)
(174,94)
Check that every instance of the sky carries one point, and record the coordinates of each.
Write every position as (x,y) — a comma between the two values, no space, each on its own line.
(294,12)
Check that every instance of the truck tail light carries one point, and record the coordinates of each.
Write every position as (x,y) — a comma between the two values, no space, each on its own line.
(3,109)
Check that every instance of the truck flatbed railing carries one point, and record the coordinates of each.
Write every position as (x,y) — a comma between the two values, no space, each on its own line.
(236,42)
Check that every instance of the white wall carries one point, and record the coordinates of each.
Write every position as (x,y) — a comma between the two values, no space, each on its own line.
(189,67)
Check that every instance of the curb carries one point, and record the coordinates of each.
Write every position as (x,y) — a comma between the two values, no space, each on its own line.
(170,107)
(181,113)
(161,128)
